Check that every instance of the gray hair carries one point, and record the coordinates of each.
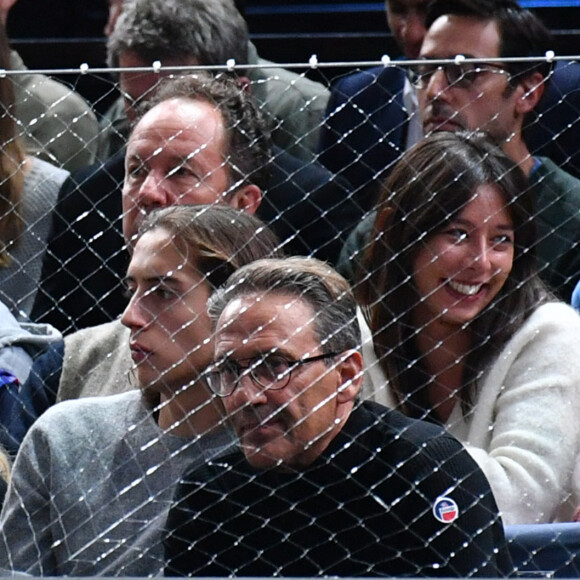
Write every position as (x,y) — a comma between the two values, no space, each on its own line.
(211,31)
(313,281)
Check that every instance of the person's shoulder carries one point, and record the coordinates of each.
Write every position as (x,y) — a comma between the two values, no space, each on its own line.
(565,79)
(547,338)
(42,183)
(391,78)
(103,348)
(96,415)
(109,334)
(405,433)
(61,100)
(41,171)
(412,447)
(557,197)
(557,314)
(276,74)
(96,361)
(557,176)
(76,431)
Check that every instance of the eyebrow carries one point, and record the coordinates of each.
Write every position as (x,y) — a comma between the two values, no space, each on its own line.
(133,157)
(465,222)
(153,280)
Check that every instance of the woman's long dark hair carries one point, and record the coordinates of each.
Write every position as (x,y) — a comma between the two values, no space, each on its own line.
(426,190)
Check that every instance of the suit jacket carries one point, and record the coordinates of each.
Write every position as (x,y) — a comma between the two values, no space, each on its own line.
(365,128)
(81,283)
(552,130)
(366,125)
(86,259)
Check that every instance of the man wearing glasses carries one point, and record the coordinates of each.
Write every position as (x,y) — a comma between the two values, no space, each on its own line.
(463,84)
(321,484)
(372,117)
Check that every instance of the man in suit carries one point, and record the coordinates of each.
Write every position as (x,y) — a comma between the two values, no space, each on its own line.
(372,117)
(308,208)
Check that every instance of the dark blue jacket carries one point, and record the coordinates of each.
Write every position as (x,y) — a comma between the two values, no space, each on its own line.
(365,129)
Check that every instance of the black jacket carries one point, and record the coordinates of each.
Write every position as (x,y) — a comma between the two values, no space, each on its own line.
(86,258)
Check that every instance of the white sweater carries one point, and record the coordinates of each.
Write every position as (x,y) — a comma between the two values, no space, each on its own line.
(524,429)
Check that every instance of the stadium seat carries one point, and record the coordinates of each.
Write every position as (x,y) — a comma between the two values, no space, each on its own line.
(546,550)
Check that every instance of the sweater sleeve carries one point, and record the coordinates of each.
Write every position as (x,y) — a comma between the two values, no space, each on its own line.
(526,418)
(26,542)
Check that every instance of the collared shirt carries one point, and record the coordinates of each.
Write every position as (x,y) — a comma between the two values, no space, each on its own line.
(411,103)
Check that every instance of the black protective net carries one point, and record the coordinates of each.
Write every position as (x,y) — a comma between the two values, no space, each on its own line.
(460,285)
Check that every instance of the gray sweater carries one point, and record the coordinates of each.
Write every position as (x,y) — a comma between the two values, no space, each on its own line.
(91,488)
(19,281)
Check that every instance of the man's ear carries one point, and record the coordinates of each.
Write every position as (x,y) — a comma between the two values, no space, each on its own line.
(532,89)
(246,198)
(245,83)
(351,368)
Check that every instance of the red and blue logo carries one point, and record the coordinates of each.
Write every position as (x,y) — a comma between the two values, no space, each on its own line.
(445,510)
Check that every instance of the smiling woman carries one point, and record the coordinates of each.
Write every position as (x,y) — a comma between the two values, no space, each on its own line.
(466,333)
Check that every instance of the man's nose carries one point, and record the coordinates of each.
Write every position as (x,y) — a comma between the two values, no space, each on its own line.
(437,85)
(134,317)
(153,192)
(248,391)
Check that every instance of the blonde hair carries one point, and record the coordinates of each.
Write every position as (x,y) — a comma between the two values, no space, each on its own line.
(12,158)
(5,465)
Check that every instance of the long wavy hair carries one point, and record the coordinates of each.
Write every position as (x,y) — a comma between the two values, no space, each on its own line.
(426,190)
(12,157)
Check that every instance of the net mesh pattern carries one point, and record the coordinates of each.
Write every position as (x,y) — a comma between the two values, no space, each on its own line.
(95,479)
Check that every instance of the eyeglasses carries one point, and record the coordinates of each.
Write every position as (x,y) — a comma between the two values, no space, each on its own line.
(462,75)
(269,371)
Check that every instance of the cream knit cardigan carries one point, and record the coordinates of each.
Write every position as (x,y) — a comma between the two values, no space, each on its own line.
(524,429)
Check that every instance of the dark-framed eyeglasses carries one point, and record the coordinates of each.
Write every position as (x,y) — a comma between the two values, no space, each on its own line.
(269,371)
(460,75)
